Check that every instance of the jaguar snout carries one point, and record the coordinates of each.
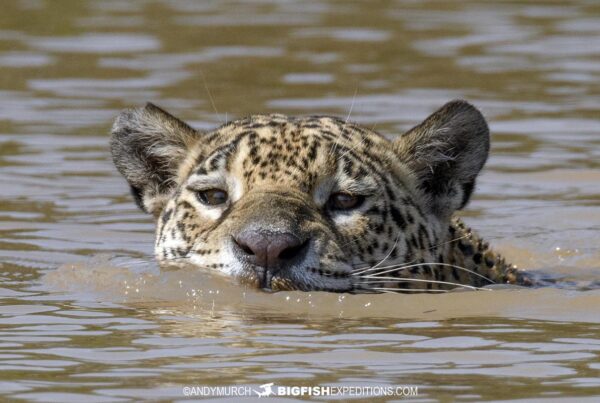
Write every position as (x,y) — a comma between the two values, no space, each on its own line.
(269,249)
(269,252)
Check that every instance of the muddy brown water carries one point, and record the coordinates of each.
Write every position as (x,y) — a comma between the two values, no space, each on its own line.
(85,314)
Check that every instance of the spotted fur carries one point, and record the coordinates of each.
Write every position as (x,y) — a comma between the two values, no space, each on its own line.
(279,173)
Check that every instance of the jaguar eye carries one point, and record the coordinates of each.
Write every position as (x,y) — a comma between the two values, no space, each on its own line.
(212,197)
(344,201)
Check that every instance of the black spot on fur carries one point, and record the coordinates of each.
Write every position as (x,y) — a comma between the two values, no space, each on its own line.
(398,217)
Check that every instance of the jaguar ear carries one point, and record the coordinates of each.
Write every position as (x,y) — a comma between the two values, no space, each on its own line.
(446,152)
(148,145)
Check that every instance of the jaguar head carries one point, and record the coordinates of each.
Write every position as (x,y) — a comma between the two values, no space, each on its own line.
(299,203)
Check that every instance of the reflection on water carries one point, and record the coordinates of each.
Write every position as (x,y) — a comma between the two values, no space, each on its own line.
(85,314)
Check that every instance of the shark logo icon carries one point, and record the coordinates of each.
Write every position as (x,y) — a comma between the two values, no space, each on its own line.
(267,390)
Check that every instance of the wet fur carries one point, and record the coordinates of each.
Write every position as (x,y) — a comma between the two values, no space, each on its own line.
(279,172)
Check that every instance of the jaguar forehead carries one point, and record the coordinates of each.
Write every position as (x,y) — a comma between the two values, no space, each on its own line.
(301,151)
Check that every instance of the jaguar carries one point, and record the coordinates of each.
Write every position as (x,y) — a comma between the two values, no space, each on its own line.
(315,203)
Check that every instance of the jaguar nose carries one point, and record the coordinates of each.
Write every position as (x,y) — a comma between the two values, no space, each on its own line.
(269,250)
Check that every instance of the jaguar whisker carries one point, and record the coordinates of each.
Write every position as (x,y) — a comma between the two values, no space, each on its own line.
(404,267)
(415,280)
(428,249)
(413,290)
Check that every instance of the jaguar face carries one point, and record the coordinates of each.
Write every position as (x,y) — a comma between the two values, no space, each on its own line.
(300,203)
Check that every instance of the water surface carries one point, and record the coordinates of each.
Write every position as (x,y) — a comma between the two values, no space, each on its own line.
(85,314)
